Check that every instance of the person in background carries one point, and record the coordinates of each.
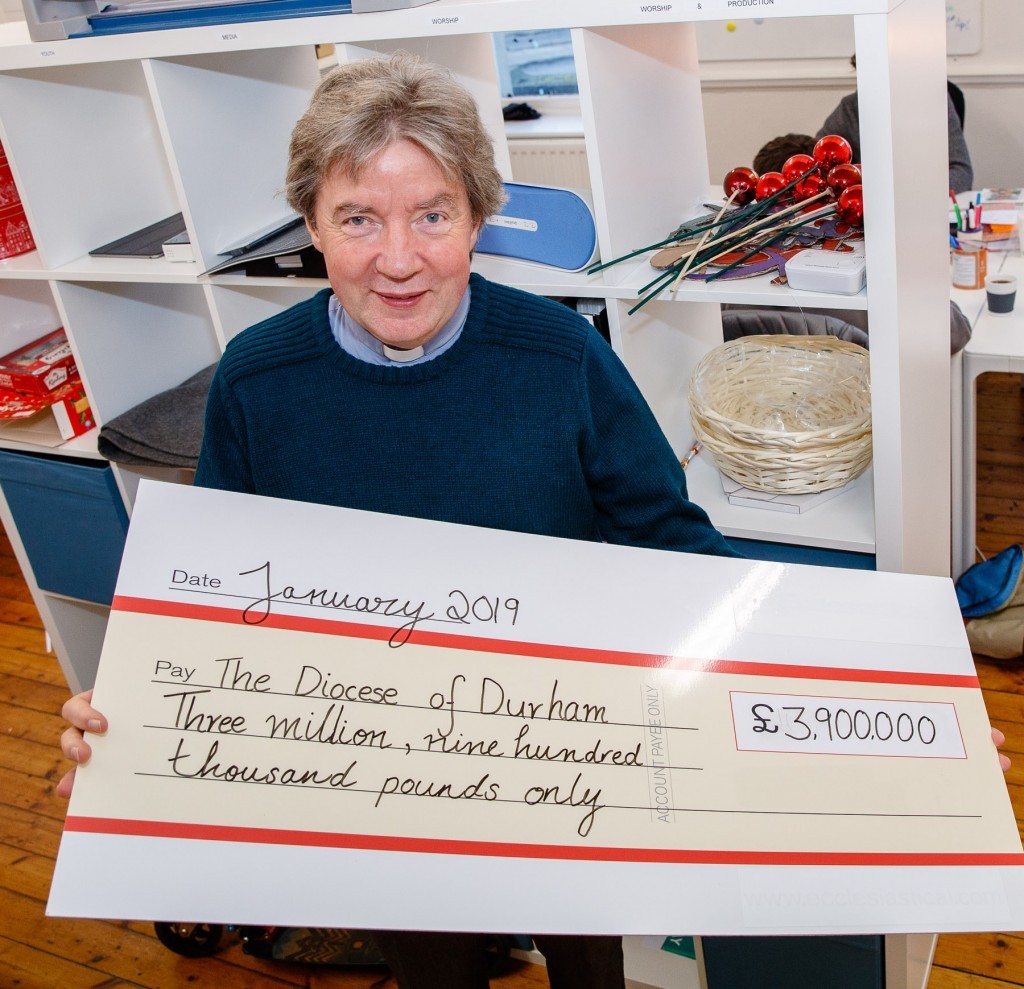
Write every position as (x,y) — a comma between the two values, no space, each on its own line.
(844,120)
(779,150)
(770,158)
(412,387)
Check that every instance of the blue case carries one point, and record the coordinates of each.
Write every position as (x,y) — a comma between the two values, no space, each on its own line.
(544,225)
(71,520)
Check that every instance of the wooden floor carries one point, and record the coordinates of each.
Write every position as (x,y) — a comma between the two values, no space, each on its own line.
(40,953)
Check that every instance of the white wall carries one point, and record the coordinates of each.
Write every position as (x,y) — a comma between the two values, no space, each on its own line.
(747,103)
(993,83)
(11,10)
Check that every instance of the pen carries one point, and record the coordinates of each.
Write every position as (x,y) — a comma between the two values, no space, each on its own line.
(953,242)
(691,453)
(959,218)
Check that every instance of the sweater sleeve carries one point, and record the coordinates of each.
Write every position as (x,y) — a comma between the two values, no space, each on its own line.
(636,483)
(844,120)
(961,171)
(222,460)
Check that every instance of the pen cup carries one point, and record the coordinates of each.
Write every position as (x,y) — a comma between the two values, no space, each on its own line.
(1001,292)
(969,266)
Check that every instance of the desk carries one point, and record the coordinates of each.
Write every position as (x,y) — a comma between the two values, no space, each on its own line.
(996,344)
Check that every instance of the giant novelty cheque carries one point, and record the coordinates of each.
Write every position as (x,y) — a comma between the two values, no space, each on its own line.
(328,717)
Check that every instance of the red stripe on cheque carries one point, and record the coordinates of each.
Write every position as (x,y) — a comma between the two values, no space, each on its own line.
(441,846)
(357,630)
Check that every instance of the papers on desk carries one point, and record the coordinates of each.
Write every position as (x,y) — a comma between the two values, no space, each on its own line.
(992,218)
(1002,196)
(1001,217)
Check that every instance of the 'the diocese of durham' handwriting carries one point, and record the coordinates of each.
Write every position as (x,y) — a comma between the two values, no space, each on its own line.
(473,716)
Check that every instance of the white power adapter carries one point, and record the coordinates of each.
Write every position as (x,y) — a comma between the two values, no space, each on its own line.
(826,271)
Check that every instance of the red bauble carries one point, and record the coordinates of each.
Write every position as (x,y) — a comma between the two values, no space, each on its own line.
(832,150)
(842,177)
(798,165)
(850,207)
(769,184)
(809,185)
(741,181)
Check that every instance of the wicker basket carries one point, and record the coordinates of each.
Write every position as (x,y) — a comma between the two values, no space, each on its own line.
(786,414)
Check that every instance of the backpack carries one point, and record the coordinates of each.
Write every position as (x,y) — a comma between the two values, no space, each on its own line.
(991,599)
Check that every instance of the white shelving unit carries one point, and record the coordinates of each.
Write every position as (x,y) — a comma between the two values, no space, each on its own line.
(108,134)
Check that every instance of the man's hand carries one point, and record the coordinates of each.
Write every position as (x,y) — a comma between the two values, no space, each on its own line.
(1000,739)
(83,717)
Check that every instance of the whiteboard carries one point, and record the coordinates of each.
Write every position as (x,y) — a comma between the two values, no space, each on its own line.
(828,37)
(963,27)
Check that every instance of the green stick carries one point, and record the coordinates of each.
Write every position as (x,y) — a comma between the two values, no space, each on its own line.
(748,212)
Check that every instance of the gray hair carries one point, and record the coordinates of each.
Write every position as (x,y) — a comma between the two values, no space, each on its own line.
(361,109)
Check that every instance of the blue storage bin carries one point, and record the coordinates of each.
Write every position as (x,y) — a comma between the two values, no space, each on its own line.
(811,962)
(71,520)
(755,549)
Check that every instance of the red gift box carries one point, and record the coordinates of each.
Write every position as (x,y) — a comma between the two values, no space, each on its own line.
(39,367)
(68,405)
(15,236)
(8,190)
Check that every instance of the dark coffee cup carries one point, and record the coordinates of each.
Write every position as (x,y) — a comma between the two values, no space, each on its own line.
(1001,291)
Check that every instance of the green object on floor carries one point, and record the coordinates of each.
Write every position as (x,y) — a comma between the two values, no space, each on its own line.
(680,946)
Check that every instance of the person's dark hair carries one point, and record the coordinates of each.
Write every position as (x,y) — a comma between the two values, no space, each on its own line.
(362,108)
(778,150)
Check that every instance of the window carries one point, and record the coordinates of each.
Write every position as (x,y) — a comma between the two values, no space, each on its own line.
(535,63)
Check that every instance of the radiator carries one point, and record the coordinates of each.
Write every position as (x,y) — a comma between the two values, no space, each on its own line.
(550,161)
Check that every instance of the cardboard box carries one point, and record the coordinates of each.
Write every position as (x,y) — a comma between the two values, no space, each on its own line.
(46,420)
(39,367)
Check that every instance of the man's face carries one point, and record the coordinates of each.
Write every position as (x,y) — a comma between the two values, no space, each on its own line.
(397,244)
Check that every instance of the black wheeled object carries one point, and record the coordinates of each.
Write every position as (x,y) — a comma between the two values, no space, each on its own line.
(190,940)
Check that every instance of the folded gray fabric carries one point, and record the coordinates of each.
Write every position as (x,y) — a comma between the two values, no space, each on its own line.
(854,328)
(741,321)
(164,431)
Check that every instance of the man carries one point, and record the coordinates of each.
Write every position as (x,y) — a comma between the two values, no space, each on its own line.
(845,121)
(410,387)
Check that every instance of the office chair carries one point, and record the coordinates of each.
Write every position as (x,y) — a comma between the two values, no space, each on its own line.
(741,321)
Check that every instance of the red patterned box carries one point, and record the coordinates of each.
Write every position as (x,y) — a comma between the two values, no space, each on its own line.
(68,406)
(40,367)
(15,236)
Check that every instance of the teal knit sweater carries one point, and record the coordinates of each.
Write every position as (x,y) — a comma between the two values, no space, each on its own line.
(528,423)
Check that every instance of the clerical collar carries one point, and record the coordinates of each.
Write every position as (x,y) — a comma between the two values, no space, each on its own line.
(364,346)
(402,356)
